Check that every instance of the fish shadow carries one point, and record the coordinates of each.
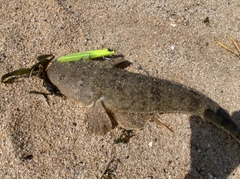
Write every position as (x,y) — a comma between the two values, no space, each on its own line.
(214,153)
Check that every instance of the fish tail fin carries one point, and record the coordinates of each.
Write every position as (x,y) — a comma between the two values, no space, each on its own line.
(223,120)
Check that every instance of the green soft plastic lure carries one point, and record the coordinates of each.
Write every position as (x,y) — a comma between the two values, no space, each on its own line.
(86,55)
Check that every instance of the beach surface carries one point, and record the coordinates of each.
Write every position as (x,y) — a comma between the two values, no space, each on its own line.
(46,137)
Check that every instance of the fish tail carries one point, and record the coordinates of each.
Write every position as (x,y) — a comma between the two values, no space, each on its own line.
(223,120)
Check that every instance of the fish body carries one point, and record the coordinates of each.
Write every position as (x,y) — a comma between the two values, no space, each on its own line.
(119,95)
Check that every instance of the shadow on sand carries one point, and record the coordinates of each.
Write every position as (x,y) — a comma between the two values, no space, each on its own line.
(214,154)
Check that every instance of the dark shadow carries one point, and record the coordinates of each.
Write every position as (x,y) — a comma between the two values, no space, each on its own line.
(214,154)
(21,138)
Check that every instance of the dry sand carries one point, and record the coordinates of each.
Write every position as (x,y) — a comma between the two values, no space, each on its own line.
(165,39)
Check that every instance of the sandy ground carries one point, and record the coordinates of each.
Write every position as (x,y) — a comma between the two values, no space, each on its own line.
(165,39)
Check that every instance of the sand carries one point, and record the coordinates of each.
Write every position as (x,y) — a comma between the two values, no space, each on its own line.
(173,40)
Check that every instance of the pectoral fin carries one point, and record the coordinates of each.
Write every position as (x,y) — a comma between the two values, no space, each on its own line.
(99,120)
(132,121)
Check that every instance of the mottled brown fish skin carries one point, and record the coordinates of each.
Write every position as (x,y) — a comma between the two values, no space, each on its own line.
(121,91)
